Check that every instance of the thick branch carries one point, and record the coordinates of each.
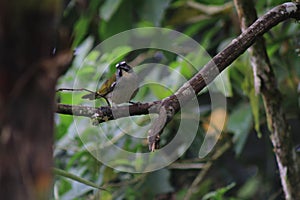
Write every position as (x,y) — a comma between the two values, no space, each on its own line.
(266,83)
(171,105)
(223,59)
(106,113)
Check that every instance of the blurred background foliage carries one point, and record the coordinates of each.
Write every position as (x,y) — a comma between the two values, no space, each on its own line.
(242,164)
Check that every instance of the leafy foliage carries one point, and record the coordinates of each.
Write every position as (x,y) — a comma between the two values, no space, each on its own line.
(245,177)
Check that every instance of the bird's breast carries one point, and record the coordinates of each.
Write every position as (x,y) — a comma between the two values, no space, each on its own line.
(125,88)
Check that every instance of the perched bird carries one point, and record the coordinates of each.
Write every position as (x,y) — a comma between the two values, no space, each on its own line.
(120,88)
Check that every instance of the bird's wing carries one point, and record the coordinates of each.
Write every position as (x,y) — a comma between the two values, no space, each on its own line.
(107,86)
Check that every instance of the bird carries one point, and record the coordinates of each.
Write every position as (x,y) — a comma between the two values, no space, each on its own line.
(121,87)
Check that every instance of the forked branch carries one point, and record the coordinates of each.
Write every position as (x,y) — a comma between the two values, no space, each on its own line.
(169,106)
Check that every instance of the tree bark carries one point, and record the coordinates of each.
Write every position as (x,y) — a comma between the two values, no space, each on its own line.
(265,83)
(28,74)
(167,107)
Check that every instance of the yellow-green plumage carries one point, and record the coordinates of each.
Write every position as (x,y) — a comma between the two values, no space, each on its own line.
(119,88)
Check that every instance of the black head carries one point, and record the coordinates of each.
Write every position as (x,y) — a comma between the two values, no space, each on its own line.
(123,66)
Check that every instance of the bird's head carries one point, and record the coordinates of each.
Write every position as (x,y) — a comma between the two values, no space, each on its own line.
(123,66)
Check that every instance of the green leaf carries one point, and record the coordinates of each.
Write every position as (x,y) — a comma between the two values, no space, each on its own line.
(222,84)
(218,194)
(66,174)
(159,91)
(62,127)
(246,80)
(239,123)
(121,20)
(195,28)
(80,30)
(248,87)
(81,52)
(116,53)
(153,11)
(249,189)
(192,63)
(209,36)
(109,8)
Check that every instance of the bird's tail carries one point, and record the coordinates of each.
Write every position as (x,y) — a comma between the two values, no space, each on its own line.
(91,96)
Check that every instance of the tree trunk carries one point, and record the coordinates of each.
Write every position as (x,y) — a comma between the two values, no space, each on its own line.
(265,83)
(27,89)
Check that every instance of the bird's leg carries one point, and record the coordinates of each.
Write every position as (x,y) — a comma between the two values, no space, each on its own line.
(106,101)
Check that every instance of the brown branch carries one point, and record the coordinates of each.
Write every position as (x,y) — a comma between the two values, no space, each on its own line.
(265,82)
(223,59)
(106,113)
(171,105)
